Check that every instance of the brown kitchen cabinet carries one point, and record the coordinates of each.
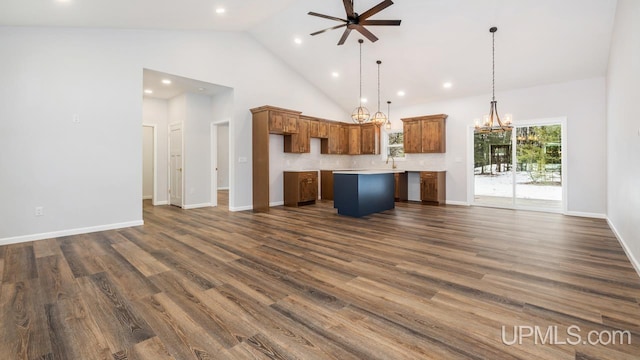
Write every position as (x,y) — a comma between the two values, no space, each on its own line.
(370,139)
(283,122)
(354,139)
(337,142)
(425,134)
(433,187)
(300,142)
(318,128)
(401,192)
(326,184)
(300,187)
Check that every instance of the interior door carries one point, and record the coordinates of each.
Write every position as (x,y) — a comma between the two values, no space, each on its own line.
(175,165)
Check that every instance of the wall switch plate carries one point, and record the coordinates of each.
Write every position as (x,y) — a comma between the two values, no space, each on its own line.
(76,118)
(39,211)
(242,159)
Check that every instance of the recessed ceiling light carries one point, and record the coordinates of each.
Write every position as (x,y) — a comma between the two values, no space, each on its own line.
(221,10)
(63,1)
(148,91)
(447,85)
(166,81)
(335,74)
(297,41)
(401,93)
(364,100)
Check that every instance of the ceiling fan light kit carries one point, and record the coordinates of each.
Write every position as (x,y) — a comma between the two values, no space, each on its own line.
(355,21)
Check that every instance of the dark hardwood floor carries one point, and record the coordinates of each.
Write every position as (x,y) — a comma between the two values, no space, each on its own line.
(417,282)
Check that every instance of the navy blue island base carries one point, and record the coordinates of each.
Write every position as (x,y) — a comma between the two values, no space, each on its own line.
(360,193)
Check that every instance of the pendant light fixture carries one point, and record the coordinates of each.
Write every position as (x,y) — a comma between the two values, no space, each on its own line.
(360,115)
(492,122)
(379,118)
(387,125)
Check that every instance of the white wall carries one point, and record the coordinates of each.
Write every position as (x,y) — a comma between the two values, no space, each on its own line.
(156,112)
(147,162)
(623,128)
(87,175)
(223,156)
(197,151)
(581,102)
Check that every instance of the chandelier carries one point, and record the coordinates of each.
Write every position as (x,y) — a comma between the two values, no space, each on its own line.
(360,115)
(492,122)
(379,118)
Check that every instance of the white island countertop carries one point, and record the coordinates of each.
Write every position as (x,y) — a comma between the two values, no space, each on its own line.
(369,172)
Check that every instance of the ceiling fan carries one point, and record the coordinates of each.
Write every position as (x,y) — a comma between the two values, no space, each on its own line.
(355,21)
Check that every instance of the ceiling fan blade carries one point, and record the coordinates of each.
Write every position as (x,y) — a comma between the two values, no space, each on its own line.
(348,7)
(362,30)
(327,29)
(327,17)
(380,22)
(346,33)
(376,9)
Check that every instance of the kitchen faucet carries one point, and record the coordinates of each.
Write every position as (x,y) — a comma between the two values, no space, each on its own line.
(393,161)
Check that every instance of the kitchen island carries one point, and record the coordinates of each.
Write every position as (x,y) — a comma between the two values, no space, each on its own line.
(362,192)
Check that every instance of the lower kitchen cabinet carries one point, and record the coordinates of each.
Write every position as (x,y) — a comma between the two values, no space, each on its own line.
(300,187)
(433,187)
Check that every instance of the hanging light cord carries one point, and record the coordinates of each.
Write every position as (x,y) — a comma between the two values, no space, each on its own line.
(360,41)
(493,65)
(379,62)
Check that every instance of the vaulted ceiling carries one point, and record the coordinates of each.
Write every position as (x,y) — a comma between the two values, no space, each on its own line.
(538,41)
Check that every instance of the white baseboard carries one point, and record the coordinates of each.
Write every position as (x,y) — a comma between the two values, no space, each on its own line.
(276,203)
(68,232)
(585,214)
(632,259)
(223,188)
(164,202)
(241,208)
(461,203)
(147,197)
(196,206)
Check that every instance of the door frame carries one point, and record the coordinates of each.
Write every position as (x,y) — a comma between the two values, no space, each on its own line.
(562,120)
(154,200)
(214,158)
(171,126)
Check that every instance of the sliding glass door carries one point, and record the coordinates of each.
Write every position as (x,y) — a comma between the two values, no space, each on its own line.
(522,168)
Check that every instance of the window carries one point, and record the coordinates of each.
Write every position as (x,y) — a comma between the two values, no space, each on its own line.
(395,144)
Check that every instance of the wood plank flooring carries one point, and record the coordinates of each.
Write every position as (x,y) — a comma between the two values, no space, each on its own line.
(416,282)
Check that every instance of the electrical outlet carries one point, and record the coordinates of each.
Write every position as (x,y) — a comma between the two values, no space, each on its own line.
(76,118)
(39,211)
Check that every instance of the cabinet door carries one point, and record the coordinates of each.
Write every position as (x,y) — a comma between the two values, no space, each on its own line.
(343,146)
(302,138)
(308,187)
(354,139)
(276,122)
(334,139)
(429,186)
(432,141)
(291,124)
(412,137)
(314,128)
(323,130)
(370,139)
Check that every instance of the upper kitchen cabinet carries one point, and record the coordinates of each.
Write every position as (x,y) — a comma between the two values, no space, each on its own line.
(280,121)
(370,139)
(354,139)
(299,142)
(318,128)
(425,134)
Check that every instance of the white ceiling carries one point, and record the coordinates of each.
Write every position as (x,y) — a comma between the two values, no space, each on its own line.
(152,80)
(538,41)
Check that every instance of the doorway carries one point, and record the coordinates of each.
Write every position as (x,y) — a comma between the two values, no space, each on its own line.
(220,164)
(175,165)
(523,168)
(149,158)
